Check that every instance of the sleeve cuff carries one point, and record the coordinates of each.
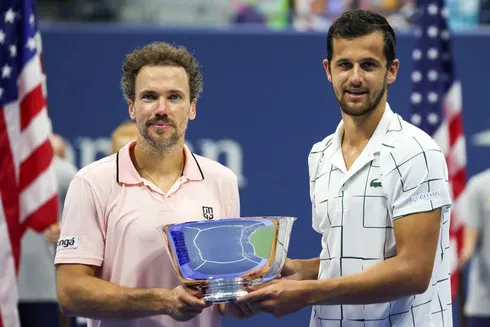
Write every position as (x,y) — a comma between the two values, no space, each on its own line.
(88,260)
(420,207)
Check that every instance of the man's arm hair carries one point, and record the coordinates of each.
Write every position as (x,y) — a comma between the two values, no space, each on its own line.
(81,293)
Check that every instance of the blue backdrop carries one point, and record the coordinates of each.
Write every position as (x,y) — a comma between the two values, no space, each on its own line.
(266,100)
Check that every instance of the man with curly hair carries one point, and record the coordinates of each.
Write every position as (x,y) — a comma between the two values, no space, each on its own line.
(112,259)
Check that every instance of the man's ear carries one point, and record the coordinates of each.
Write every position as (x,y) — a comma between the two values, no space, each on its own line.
(192,111)
(131,111)
(326,65)
(393,71)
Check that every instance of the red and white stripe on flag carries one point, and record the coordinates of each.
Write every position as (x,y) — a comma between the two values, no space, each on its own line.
(28,188)
(451,139)
(436,107)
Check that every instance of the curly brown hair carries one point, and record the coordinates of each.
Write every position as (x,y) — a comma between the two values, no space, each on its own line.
(160,54)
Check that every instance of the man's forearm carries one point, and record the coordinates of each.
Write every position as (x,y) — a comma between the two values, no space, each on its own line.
(308,268)
(384,282)
(94,298)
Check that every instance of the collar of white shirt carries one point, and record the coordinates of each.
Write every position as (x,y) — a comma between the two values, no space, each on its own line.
(373,146)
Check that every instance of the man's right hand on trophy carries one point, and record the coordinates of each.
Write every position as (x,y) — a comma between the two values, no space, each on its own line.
(186,303)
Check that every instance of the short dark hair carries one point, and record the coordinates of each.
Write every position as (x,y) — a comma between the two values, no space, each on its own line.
(160,54)
(356,23)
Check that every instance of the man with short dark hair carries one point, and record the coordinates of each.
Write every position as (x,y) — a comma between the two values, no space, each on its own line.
(380,198)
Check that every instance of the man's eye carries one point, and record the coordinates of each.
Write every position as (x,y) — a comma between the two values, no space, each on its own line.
(175,97)
(148,97)
(368,65)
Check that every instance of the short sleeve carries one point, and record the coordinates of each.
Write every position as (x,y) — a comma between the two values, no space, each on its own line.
(231,197)
(415,178)
(82,226)
(471,204)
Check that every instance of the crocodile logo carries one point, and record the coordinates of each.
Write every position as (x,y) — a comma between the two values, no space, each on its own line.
(375,183)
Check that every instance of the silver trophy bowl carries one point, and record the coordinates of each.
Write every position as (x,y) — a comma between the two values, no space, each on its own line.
(222,257)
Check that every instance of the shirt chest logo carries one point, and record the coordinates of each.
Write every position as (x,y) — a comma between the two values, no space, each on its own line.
(207,212)
(375,183)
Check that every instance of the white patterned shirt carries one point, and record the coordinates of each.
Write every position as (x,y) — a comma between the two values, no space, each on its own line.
(400,172)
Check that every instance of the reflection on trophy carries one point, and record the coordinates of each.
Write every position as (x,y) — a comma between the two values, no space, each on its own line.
(223,257)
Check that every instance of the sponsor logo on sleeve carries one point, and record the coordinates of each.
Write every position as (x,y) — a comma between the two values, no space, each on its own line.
(68,242)
(429,196)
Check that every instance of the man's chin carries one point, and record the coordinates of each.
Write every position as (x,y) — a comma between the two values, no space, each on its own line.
(355,111)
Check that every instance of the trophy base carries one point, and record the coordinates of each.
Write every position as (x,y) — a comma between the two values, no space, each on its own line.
(226,290)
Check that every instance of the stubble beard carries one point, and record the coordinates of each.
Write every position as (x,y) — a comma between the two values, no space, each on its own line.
(162,144)
(356,112)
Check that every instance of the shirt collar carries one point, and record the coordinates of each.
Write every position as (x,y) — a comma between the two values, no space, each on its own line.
(376,140)
(127,174)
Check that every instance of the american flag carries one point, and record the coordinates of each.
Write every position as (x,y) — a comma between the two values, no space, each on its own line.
(437,107)
(28,191)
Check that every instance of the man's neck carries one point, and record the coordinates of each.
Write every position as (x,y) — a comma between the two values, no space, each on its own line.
(358,130)
(159,163)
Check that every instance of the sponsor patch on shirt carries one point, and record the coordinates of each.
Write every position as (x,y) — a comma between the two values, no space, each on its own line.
(426,196)
(67,242)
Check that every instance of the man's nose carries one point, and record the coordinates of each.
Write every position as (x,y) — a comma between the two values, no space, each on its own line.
(357,75)
(162,107)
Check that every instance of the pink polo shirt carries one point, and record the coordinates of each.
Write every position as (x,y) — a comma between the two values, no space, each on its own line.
(113,219)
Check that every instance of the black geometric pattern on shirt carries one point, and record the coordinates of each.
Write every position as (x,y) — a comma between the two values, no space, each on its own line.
(329,143)
(399,127)
(372,259)
(322,152)
(354,258)
(441,311)
(333,168)
(397,166)
(424,153)
(341,251)
(342,257)
(326,210)
(366,196)
(358,320)
(415,155)
(388,317)
(440,281)
(441,239)
(427,169)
